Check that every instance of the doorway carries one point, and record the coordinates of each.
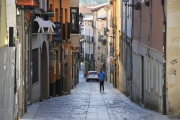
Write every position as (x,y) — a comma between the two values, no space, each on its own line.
(44,72)
(142,79)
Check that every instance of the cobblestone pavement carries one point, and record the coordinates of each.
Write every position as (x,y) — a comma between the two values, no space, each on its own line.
(87,102)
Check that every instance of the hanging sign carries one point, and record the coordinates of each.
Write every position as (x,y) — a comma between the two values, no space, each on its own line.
(44,24)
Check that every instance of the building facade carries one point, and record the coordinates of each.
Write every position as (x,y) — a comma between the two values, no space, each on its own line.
(88,45)
(99,24)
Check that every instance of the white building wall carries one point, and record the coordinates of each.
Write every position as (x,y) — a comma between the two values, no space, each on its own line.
(129,20)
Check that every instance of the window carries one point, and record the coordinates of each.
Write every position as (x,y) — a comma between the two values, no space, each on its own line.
(35,66)
(62,15)
(66,15)
(75,20)
(92,72)
(57,16)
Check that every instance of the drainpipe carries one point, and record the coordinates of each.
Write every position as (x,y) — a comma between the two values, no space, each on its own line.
(131,48)
(126,48)
(114,64)
(60,13)
(89,48)
(164,59)
(30,55)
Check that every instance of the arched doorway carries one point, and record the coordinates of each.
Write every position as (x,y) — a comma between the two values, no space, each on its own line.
(44,72)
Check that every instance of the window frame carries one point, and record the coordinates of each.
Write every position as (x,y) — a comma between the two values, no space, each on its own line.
(77,19)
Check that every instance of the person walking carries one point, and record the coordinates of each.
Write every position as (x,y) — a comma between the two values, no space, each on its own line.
(101,76)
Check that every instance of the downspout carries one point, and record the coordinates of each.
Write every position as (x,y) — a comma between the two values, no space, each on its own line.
(114,64)
(61,55)
(126,47)
(131,48)
(164,59)
(115,48)
(30,55)
(60,13)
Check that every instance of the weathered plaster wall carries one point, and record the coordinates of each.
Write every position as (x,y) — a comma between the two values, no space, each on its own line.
(173,56)
(74,3)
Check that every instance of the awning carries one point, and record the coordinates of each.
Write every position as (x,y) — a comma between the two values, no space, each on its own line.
(102,17)
(28,3)
(88,18)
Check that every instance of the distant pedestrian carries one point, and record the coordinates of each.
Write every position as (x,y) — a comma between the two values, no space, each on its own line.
(101,76)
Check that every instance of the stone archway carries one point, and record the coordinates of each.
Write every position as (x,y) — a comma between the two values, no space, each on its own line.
(44,72)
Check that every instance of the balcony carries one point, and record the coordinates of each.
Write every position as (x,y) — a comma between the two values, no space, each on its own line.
(28,3)
(92,39)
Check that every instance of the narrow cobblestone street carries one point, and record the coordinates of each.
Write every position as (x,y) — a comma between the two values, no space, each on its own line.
(87,102)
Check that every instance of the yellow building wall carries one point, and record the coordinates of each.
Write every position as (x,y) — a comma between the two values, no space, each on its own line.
(173,56)
(3,41)
(65,10)
(121,73)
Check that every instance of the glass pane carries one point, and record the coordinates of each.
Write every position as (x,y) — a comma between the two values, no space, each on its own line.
(74,10)
(93,72)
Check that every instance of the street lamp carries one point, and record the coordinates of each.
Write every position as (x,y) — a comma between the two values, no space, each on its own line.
(80,17)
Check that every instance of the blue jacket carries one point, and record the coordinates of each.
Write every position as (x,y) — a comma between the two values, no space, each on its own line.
(101,75)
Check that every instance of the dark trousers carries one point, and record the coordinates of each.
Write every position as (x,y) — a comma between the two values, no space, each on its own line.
(102,84)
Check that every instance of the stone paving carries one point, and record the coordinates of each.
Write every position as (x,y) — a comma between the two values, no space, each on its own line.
(87,102)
